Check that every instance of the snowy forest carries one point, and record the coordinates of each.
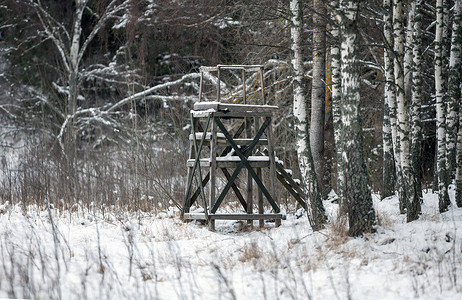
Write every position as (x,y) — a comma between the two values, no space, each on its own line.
(95,134)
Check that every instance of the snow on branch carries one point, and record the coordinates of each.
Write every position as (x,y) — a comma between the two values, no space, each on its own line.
(151,90)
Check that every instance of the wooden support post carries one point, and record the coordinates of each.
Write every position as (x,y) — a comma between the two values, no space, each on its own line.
(249,175)
(213,167)
(269,135)
(261,210)
(219,86)
(201,85)
(244,93)
(262,86)
(260,202)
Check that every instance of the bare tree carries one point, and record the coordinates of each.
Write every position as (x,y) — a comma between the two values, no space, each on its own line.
(389,114)
(440,109)
(358,195)
(415,199)
(336,104)
(318,88)
(316,210)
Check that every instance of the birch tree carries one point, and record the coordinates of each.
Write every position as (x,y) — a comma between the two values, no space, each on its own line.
(318,88)
(405,185)
(336,102)
(440,110)
(414,201)
(389,109)
(358,196)
(454,92)
(316,212)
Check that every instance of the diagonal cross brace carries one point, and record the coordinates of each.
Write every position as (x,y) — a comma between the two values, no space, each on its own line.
(225,172)
(244,162)
(197,165)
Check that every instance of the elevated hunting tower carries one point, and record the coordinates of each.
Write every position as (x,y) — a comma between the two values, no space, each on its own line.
(231,131)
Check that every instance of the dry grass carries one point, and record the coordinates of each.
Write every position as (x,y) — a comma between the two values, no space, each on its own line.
(250,252)
(337,232)
(383,219)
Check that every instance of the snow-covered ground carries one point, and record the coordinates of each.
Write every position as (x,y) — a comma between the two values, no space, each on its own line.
(117,255)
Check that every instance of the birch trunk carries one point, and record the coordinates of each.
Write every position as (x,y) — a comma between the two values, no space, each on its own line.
(414,204)
(316,212)
(318,89)
(408,54)
(389,120)
(405,187)
(336,102)
(454,92)
(440,111)
(358,196)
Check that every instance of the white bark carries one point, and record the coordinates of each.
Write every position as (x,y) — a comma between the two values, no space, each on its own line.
(456,93)
(402,117)
(414,207)
(315,209)
(440,108)
(300,111)
(318,88)
(361,215)
(454,89)
(336,102)
(408,56)
(389,122)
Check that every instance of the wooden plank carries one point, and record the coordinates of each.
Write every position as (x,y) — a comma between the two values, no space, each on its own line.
(229,107)
(289,183)
(248,133)
(291,190)
(245,216)
(240,114)
(201,216)
(259,174)
(213,163)
(208,69)
(247,68)
(205,162)
(222,140)
(269,135)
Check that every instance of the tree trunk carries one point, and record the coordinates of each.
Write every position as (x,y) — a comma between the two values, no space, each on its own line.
(318,90)
(405,187)
(454,91)
(388,186)
(408,54)
(316,212)
(414,203)
(358,196)
(336,103)
(440,111)
(454,85)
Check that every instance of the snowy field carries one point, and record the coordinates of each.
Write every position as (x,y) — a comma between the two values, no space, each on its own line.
(90,255)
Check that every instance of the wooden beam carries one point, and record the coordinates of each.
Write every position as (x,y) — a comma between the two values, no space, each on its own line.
(201,216)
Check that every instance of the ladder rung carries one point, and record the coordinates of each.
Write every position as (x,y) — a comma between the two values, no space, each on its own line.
(233,161)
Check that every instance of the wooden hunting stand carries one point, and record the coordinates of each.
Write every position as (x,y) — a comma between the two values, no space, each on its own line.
(231,136)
